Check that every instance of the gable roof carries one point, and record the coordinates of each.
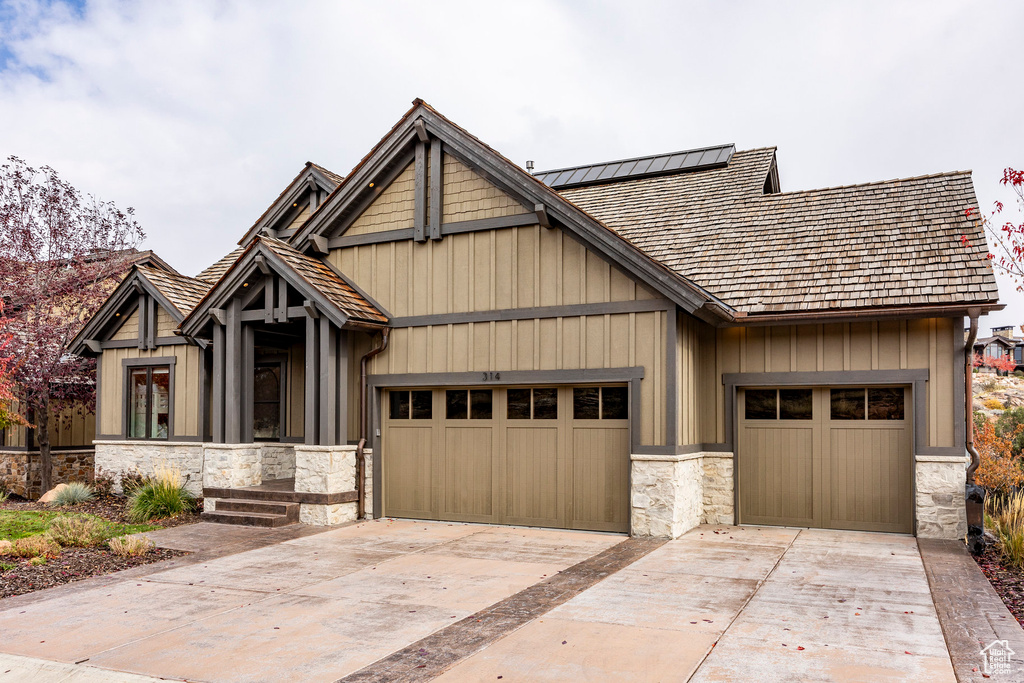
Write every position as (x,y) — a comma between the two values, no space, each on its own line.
(879,245)
(334,296)
(182,292)
(216,270)
(311,174)
(1008,343)
(520,185)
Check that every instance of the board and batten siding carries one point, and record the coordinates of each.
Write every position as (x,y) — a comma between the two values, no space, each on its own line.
(70,427)
(187,375)
(934,344)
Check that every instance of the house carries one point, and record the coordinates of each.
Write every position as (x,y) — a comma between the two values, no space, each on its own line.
(1001,344)
(72,430)
(635,346)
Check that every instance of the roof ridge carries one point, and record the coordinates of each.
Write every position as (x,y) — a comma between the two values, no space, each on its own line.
(873,183)
(638,158)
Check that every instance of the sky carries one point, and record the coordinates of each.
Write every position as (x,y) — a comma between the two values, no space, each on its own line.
(198,114)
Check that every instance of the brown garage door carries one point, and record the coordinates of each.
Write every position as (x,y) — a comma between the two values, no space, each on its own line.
(831,457)
(532,456)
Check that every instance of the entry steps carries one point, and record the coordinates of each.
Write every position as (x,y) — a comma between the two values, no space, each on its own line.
(247,512)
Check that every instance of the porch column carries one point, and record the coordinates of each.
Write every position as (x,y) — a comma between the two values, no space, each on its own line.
(341,414)
(233,373)
(218,383)
(328,383)
(312,378)
(248,375)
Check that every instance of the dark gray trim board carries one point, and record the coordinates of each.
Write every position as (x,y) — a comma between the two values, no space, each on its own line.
(127,363)
(570,311)
(683,450)
(753,379)
(459,227)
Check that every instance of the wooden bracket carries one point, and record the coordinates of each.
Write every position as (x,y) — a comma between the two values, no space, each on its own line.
(310,309)
(94,345)
(261,263)
(320,244)
(219,316)
(268,232)
(421,130)
(542,215)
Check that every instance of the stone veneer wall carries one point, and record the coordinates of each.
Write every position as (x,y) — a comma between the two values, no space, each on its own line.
(278,460)
(232,465)
(941,508)
(717,489)
(68,466)
(325,469)
(144,457)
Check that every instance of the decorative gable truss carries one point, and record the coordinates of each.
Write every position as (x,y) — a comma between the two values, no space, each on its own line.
(295,204)
(419,173)
(142,312)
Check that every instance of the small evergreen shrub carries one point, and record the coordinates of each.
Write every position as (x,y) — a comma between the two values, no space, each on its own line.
(74,493)
(164,495)
(129,546)
(77,531)
(35,546)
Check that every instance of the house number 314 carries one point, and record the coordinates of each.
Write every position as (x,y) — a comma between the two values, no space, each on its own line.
(491,376)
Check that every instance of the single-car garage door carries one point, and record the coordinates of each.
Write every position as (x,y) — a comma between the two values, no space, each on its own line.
(831,457)
(532,456)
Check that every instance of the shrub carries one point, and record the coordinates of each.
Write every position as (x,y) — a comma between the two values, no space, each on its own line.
(35,546)
(1018,373)
(7,566)
(1006,515)
(1009,425)
(103,482)
(164,495)
(38,560)
(130,546)
(6,548)
(985,384)
(1000,472)
(132,481)
(4,494)
(993,404)
(74,493)
(980,419)
(77,531)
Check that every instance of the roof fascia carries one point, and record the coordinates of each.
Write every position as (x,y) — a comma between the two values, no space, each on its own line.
(103,317)
(848,315)
(305,287)
(161,299)
(291,195)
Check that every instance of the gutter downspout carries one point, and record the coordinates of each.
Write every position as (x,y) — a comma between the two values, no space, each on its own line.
(364,427)
(974,495)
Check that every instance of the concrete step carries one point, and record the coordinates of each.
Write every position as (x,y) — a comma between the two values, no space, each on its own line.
(261,519)
(269,507)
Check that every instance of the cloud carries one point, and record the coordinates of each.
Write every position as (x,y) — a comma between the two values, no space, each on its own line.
(198,113)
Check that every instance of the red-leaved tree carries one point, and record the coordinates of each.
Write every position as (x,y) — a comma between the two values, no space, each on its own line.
(61,254)
(9,417)
(1006,233)
(1002,364)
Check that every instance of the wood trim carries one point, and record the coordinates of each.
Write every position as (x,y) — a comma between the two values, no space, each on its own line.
(535,313)
(217,417)
(120,344)
(399,235)
(686,449)
(126,365)
(671,381)
(513,221)
(436,188)
(420,203)
(170,341)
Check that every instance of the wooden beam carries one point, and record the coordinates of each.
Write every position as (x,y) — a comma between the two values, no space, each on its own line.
(150,322)
(542,215)
(311,431)
(248,374)
(328,383)
(321,244)
(341,412)
(420,206)
(268,300)
(218,384)
(310,308)
(282,300)
(95,346)
(421,131)
(141,341)
(261,263)
(233,373)
(436,189)
(219,316)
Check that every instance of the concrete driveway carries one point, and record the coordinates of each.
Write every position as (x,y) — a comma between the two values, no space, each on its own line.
(400,600)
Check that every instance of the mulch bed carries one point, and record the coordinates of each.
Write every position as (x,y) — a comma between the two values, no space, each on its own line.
(75,564)
(1008,582)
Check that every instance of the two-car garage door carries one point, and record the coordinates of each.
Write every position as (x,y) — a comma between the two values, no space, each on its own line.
(832,457)
(533,456)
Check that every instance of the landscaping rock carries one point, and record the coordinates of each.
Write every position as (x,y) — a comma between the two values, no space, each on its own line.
(51,495)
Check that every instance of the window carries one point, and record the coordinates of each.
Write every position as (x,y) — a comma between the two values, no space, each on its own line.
(544,404)
(415,405)
(266,402)
(605,403)
(476,404)
(883,403)
(778,404)
(149,402)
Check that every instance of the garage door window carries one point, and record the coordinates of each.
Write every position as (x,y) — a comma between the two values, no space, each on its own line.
(605,403)
(779,404)
(543,402)
(882,404)
(415,405)
(475,404)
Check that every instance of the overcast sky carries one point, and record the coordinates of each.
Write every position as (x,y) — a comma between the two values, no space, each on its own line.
(199,113)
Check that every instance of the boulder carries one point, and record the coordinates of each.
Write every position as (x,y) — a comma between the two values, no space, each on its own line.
(50,495)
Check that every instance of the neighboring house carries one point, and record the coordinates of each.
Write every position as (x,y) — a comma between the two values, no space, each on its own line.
(1001,344)
(72,431)
(636,346)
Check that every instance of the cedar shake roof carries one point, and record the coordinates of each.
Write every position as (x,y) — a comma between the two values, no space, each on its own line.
(320,276)
(331,175)
(885,244)
(184,292)
(216,271)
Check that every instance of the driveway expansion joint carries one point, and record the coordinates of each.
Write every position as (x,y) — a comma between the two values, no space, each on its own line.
(431,656)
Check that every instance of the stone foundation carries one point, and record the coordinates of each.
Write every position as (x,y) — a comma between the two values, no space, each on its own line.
(325,469)
(278,460)
(21,474)
(232,465)
(941,509)
(717,489)
(672,494)
(144,457)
